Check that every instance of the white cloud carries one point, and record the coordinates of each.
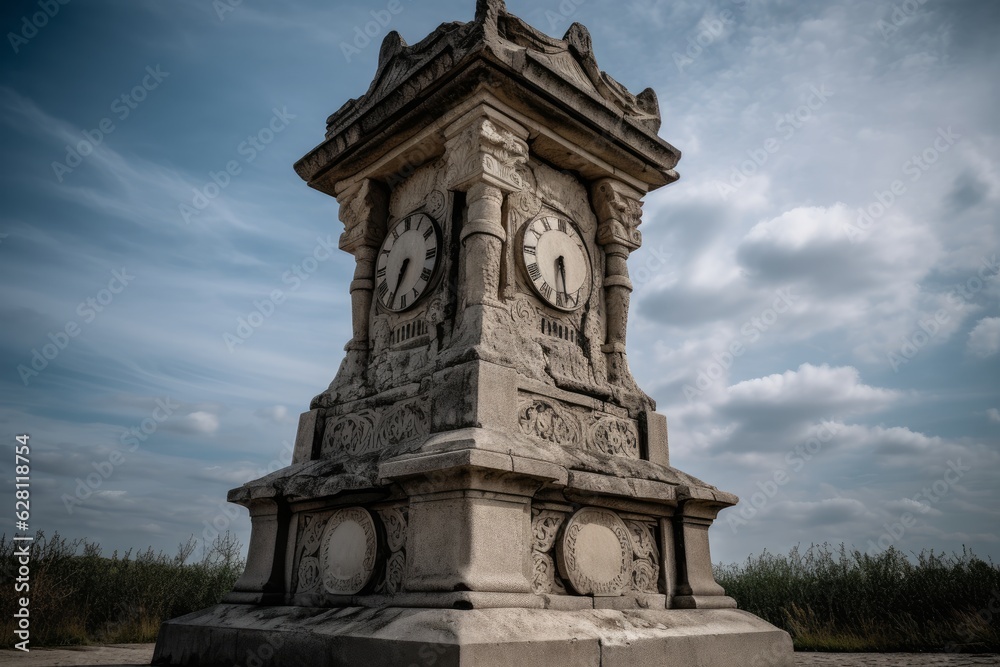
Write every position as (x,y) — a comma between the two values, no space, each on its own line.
(984,339)
(994,415)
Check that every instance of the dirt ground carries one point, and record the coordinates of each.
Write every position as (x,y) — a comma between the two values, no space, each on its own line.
(133,655)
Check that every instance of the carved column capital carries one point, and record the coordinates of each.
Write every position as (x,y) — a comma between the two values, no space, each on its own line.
(364,209)
(619,212)
(483,147)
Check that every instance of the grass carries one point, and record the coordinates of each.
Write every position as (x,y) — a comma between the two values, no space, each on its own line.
(79,596)
(838,600)
(828,599)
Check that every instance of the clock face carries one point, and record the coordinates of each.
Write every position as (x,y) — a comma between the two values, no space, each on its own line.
(407,262)
(557,263)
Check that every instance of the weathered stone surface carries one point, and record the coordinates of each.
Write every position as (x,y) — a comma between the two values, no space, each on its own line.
(391,637)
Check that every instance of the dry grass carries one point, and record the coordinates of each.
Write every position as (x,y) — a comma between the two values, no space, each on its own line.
(79,596)
(839,600)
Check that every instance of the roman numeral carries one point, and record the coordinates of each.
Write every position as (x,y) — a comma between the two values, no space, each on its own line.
(406,226)
(432,253)
(416,294)
(562,226)
(531,250)
(402,301)
(428,233)
(546,290)
(426,275)
(381,273)
(383,289)
(395,234)
(546,225)
(560,302)
(534,271)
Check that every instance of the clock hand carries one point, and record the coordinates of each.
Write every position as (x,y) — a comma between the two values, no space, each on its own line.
(399,281)
(561,264)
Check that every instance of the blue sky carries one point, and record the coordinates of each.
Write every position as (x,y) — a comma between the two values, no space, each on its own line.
(816,308)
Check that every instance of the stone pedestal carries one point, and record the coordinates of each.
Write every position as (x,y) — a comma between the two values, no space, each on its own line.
(483,482)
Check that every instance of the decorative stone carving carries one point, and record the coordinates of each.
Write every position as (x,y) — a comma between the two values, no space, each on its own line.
(545,525)
(596,554)
(395,526)
(570,425)
(348,551)
(484,152)
(619,210)
(404,422)
(646,563)
(542,419)
(617,437)
(355,434)
(309,575)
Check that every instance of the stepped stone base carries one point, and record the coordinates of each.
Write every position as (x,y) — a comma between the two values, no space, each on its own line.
(295,636)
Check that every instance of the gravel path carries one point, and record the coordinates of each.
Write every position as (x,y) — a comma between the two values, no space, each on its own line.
(136,655)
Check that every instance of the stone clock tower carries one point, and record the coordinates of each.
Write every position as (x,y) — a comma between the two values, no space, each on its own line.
(483,483)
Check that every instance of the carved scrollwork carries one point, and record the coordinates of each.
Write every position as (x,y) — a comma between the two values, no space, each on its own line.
(360,433)
(352,433)
(645,567)
(545,525)
(395,528)
(616,437)
(541,419)
(309,575)
(402,423)
(619,213)
(485,151)
(436,204)
(394,524)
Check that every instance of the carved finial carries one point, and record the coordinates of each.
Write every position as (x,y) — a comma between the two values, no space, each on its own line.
(579,39)
(487,11)
(392,45)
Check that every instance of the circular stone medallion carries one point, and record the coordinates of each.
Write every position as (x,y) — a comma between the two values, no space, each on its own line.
(347,552)
(595,553)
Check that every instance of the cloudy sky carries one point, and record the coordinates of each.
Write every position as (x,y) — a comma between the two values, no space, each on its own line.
(816,308)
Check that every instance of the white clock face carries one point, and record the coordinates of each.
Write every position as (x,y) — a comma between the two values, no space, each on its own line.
(557,262)
(407,262)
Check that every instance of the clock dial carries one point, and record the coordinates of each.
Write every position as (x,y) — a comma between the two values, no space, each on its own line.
(407,262)
(556,261)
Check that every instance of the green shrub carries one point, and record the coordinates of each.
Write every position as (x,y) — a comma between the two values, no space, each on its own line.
(839,600)
(79,596)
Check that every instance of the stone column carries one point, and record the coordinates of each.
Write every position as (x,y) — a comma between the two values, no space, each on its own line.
(484,152)
(696,587)
(263,580)
(364,210)
(619,213)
